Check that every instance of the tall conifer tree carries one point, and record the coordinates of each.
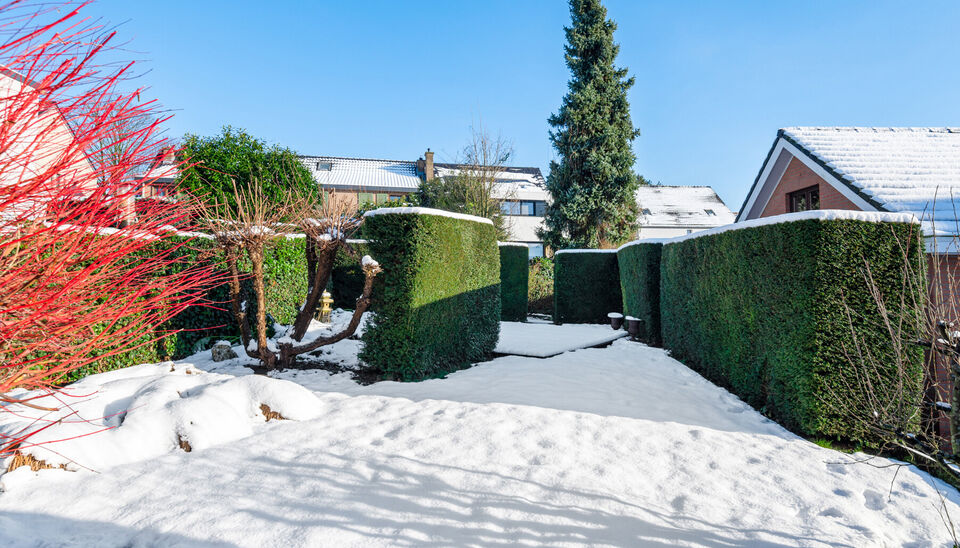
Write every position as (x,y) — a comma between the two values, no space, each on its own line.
(593,185)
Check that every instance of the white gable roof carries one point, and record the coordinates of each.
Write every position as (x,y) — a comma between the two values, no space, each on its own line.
(912,170)
(363,174)
(681,206)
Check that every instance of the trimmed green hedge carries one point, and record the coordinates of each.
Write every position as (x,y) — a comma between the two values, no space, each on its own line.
(346,278)
(285,282)
(762,311)
(586,286)
(514,278)
(439,301)
(639,265)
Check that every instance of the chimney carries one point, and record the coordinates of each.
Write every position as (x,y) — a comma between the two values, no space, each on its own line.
(428,169)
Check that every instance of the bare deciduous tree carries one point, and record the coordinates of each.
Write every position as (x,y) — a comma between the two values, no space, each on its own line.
(476,188)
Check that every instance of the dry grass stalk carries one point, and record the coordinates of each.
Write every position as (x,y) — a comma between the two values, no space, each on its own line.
(184,444)
(20,459)
(270,414)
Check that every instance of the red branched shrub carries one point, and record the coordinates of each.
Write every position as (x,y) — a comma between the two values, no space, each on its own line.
(72,142)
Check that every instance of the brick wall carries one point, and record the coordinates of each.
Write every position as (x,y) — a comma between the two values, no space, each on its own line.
(944,281)
(798,176)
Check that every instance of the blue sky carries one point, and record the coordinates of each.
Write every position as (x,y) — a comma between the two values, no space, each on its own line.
(387,79)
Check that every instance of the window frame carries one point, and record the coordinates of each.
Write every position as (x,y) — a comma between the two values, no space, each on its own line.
(811,194)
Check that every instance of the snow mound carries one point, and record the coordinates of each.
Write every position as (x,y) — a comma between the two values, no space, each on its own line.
(145,411)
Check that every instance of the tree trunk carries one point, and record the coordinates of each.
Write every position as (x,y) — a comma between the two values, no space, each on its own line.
(268,357)
(320,276)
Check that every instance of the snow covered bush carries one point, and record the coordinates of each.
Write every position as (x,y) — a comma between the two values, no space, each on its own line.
(586,285)
(774,312)
(438,304)
(639,264)
(514,274)
(73,290)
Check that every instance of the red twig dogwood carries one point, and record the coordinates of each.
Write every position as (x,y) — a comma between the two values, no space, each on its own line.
(81,269)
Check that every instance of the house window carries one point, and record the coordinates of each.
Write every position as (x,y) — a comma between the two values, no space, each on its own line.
(645,211)
(523,208)
(324,166)
(804,199)
(510,208)
(711,212)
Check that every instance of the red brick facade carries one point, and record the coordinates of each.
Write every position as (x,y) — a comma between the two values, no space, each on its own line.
(944,282)
(798,176)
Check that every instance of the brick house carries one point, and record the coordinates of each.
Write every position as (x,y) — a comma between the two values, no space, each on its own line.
(44,140)
(360,180)
(908,170)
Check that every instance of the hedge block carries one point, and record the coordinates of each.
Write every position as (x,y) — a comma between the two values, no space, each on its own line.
(586,285)
(639,265)
(514,279)
(439,294)
(762,311)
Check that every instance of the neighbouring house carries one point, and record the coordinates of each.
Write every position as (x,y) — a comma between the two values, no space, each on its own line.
(41,144)
(668,211)
(361,181)
(907,170)
(159,178)
(524,198)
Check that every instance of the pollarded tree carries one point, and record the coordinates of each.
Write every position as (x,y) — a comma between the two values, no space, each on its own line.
(592,184)
(245,229)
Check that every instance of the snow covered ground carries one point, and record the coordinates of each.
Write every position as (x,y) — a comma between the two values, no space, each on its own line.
(542,340)
(617,446)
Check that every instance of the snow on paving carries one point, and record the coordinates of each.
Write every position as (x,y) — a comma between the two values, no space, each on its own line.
(619,446)
(544,340)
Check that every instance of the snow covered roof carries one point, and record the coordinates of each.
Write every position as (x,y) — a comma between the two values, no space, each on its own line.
(681,206)
(363,174)
(900,169)
(513,183)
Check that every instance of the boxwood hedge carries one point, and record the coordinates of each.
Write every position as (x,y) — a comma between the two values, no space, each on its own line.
(586,285)
(762,311)
(514,278)
(439,294)
(639,264)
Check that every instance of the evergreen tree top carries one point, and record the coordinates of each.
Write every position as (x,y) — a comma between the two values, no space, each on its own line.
(592,183)
(590,50)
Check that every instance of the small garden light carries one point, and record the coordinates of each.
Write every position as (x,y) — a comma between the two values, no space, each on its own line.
(326,300)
